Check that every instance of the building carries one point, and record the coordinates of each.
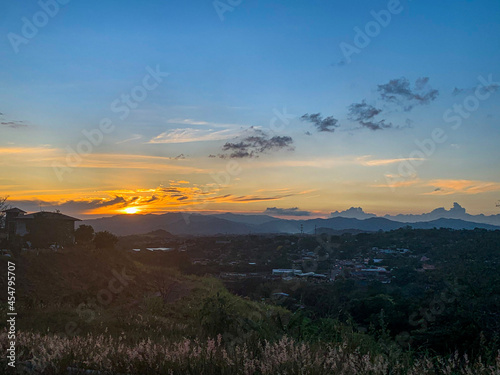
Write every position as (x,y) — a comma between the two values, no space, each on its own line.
(286,272)
(10,221)
(41,229)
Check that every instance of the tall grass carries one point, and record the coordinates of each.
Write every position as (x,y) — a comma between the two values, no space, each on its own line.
(49,354)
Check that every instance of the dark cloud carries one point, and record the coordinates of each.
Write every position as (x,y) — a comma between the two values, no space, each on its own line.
(170,190)
(364,114)
(14,124)
(181,156)
(327,124)
(341,62)
(246,198)
(399,91)
(93,204)
(254,145)
(491,88)
(421,82)
(71,207)
(362,111)
(376,125)
(480,89)
(294,211)
(152,199)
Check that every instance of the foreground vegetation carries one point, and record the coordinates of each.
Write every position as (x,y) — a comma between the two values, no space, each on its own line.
(136,313)
(50,354)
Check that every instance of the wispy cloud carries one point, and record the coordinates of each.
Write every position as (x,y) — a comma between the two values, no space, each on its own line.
(14,124)
(230,198)
(441,186)
(185,135)
(188,121)
(22,156)
(27,150)
(471,90)
(134,137)
(448,187)
(366,161)
(134,161)
(45,156)
(395,181)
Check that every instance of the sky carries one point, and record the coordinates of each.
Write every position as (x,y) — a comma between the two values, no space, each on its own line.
(293,107)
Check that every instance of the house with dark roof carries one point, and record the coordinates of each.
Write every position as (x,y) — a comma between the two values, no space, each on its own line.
(41,229)
(10,215)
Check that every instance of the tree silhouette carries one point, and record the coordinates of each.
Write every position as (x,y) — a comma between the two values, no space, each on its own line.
(84,234)
(105,240)
(3,206)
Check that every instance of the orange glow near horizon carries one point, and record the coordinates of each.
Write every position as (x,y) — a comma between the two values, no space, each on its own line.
(131,210)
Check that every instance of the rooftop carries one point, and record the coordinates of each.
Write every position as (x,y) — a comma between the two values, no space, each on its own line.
(15,209)
(47,215)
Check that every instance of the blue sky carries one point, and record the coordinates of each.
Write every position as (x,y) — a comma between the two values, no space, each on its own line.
(229,75)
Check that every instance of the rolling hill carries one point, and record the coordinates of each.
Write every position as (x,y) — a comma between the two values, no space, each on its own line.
(228,223)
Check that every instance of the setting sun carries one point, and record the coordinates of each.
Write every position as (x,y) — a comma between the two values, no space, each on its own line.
(131,210)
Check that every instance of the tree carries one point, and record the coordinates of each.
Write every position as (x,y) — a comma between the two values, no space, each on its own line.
(217,314)
(105,240)
(84,234)
(3,206)
(163,282)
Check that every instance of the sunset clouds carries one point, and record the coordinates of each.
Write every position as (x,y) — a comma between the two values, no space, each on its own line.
(253,117)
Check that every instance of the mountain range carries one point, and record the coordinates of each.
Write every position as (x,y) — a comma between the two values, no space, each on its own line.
(182,223)
(456,212)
